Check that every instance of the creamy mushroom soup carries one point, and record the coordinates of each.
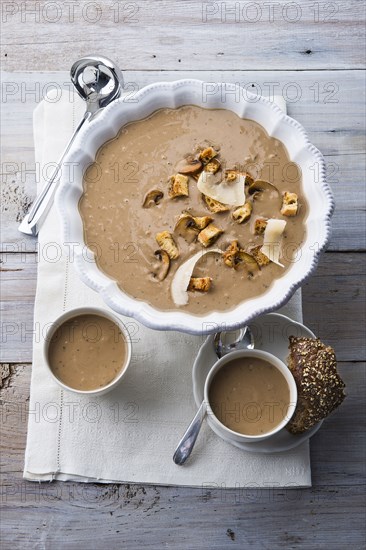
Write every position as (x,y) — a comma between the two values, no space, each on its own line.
(87,352)
(249,396)
(185,181)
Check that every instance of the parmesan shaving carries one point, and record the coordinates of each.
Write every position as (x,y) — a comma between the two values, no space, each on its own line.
(272,240)
(183,275)
(232,193)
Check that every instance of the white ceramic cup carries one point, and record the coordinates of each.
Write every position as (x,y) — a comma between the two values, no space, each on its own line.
(226,432)
(89,311)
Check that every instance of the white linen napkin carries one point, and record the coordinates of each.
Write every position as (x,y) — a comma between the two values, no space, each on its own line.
(129,434)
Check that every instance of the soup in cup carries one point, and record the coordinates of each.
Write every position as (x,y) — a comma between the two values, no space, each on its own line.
(87,350)
(250,395)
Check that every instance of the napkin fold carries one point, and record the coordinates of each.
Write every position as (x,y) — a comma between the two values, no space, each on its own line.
(129,434)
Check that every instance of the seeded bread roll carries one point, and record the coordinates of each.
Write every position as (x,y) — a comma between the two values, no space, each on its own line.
(319,386)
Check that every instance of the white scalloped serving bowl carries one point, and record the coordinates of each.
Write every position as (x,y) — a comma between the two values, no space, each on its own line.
(172,95)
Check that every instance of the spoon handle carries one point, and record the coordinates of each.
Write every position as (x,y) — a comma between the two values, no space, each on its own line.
(37,214)
(187,442)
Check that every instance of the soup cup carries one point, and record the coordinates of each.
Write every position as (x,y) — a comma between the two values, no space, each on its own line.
(89,311)
(238,437)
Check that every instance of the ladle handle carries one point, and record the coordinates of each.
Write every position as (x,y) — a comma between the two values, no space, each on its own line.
(40,208)
(187,442)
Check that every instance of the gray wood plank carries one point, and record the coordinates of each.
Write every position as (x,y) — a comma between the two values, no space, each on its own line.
(330,104)
(171,34)
(71,515)
(163,518)
(331,107)
(333,305)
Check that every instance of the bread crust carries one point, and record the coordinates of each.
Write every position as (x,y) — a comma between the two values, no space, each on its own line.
(319,386)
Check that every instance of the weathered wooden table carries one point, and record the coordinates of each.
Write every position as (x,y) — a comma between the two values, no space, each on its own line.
(310,52)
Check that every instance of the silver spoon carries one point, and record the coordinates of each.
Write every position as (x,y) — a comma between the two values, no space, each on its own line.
(99,81)
(224,343)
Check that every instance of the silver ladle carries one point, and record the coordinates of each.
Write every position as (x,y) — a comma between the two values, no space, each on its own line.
(99,81)
(224,343)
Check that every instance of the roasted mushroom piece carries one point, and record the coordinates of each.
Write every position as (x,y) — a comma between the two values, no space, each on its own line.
(161,268)
(235,257)
(189,166)
(230,253)
(259,186)
(242,258)
(258,255)
(186,227)
(152,198)
(248,178)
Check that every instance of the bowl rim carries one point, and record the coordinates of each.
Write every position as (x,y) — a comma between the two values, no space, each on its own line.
(170,93)
(273,360)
